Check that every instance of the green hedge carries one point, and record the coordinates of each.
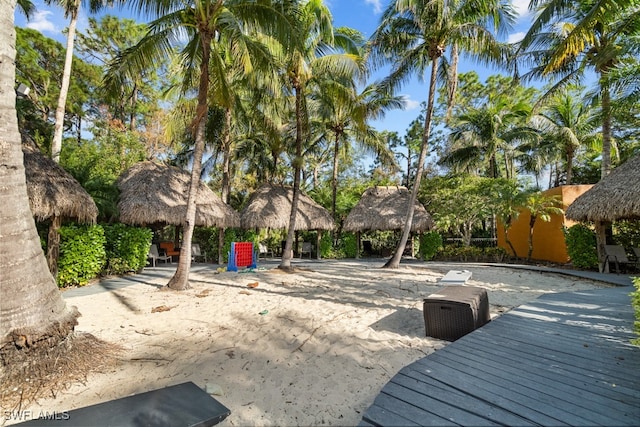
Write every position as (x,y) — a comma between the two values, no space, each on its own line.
(82,254)
(430,244)
(126,248)
(635,302)
(581,246)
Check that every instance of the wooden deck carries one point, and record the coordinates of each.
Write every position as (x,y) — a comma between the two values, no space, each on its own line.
(564,359)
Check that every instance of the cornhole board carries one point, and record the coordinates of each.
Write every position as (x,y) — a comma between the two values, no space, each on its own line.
(454,277)
(454,311)
(182,405)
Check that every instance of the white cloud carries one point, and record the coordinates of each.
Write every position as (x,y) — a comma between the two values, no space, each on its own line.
(516,37)
(521,7)
(377,5)
(41,22)
(410,104)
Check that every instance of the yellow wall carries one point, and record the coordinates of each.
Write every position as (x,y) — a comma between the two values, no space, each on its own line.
(548,239)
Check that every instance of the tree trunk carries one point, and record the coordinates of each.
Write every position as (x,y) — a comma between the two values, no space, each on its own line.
(180,280)
(226,180)
(53,245)
(532,223)
(56,144)
(394,262)
(606,128)
(32,310)
(285,262)
(334,177)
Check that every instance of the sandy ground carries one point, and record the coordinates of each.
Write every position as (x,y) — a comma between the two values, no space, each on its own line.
(309,348)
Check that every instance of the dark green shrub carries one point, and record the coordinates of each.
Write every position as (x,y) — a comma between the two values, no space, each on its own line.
(349,245)
(430,244)
(635,302)
(326,246)
(581,246)
(82,254)
(126,248)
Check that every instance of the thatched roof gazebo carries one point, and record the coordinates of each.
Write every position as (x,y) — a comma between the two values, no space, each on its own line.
(270,207)
(152,193)
(615,197)
(385,208)
(53,192)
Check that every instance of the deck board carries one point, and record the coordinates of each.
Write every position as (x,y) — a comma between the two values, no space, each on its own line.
(564,359)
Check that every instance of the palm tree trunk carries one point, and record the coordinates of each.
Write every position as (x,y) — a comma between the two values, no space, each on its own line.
(334,178)
(56,145)
(226,180)
(606,128)
(285,262)
(32,311)
(394,262)
(180,280)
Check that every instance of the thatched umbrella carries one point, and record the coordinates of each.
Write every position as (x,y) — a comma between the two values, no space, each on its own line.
(54,195)
(270,207)
(385,208)
(153,193)
(53,192)
(615,197)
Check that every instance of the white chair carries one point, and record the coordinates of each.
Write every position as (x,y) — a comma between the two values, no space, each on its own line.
(306,249)
(264,250)
(197,253)
(154,255)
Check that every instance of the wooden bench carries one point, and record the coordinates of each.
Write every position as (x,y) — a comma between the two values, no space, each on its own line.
(182,405)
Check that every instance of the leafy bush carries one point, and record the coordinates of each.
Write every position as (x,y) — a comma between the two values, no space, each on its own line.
(82,254)
(430,244)
(635,302)
(326,246)
(126,248)
(581,246)
(471,254)
(349,245)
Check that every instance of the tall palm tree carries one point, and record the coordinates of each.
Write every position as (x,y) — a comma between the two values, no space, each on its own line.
(482,135)
(416,33)
(205,24)
(71,11)
(32,312)
(567,123)
(312,55)
(567,39)
(345,114)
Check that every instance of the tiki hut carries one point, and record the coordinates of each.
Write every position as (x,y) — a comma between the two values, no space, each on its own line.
(385,208)
(53,193)
(152,193)
(615,197)
(270,207)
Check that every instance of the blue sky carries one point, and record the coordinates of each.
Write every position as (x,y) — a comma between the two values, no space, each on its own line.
(363,15)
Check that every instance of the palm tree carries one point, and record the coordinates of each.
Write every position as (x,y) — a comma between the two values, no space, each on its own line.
(206,24)
(567,124)
(416,33)
(482,135)
(313,54)
(540,207)
(71,10)
(569,38)
(32,312)
(345,114)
